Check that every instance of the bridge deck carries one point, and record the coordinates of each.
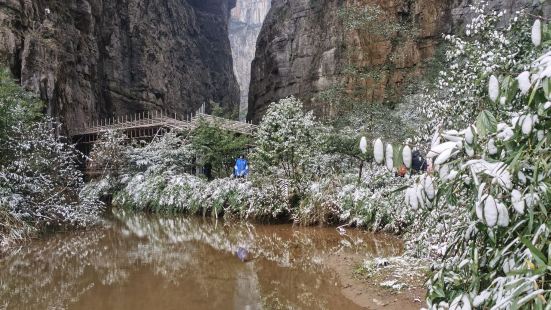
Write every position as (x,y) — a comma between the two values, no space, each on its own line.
(158,119)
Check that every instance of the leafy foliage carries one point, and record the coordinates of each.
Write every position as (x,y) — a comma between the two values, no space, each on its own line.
(489,219)
(286,140)
(485,49)
(302,170)
(16,107)
(39,177)
(217,147)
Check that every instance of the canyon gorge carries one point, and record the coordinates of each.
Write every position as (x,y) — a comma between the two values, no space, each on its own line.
(90,59)
(245,24)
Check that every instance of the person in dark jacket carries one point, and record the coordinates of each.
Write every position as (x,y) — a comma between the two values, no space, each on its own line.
(418,162)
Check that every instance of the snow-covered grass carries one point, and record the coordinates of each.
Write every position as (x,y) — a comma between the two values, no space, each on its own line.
(371,203)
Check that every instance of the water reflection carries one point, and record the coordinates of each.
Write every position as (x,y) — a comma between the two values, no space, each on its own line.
(151,262)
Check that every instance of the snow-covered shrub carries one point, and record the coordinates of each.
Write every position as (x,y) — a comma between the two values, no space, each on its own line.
(181,192)
(39,176)
(487,48)
(485,210)
(168,152)
(286,141)
(12,229)
(375,202)
(41,183)
(109,154)
(108,159)
(142,191)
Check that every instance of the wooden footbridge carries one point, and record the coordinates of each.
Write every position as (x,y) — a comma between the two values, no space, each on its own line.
(153,123)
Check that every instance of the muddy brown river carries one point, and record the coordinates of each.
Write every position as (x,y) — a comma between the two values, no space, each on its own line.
(139,261)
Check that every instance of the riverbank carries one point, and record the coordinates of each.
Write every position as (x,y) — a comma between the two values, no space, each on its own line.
(392,284)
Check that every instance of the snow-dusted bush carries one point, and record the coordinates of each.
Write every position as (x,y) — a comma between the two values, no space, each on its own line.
(39,177)
(108,159)
(485,210)
(109,154)
(375,202)
(286,141)
(168,152)
(180,192)
(486,49)
(41,183)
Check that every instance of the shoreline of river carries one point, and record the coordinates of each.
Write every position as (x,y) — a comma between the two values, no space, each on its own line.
(367,291)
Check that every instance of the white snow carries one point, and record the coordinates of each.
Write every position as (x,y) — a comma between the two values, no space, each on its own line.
(536,33)
(493,88)
(524,82)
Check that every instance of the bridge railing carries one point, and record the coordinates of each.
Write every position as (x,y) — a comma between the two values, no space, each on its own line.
(230,125)
(150,119)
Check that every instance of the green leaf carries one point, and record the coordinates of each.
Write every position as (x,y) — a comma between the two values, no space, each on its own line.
(547,87)
(486,123)
(532,95)
(398,158)
(515,163)
(439,292)
(512,90)
(538,255)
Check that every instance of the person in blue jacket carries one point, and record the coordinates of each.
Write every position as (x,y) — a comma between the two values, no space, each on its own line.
(241,168)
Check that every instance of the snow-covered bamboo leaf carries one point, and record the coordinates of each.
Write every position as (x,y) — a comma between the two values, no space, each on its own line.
(493,88)
(486,123)
(490,211)
(406,155)
(389,157)
(378,151)
(363,145)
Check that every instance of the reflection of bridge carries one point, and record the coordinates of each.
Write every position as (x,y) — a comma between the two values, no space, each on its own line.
(151,123)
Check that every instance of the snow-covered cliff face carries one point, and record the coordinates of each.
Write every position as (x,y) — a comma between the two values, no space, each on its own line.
(245,24)
(90,59)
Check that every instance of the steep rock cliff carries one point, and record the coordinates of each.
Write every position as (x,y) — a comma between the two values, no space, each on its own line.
(245,24)
(95,58)
(309,49)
